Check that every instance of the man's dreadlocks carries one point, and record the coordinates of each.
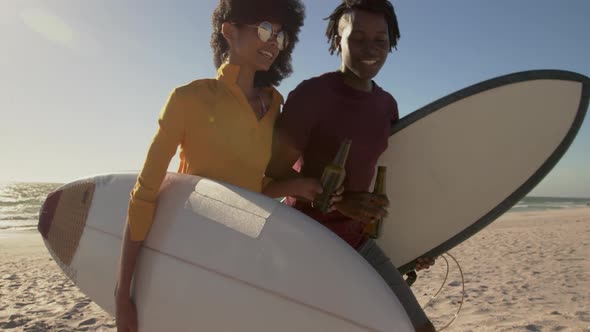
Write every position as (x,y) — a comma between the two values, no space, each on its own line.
(375,6)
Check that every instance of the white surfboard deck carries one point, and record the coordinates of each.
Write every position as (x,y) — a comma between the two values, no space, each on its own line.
(218,258)
(456,165)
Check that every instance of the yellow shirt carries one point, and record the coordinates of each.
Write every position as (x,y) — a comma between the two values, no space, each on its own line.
(220,138)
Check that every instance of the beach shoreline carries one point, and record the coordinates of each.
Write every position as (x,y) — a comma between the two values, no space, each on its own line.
(527,271)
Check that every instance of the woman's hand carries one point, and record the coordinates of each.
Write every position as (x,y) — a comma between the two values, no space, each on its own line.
(305,188)
(126,315)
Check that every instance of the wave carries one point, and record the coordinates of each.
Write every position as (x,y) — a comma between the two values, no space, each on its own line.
(19,217)
(30,201)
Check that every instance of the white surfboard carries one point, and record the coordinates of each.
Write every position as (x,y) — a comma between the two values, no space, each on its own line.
(218,258)
(456,165)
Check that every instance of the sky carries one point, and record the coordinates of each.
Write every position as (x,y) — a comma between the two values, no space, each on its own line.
(82,82)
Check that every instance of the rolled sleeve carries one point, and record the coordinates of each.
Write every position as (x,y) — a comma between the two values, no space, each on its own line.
(169,135)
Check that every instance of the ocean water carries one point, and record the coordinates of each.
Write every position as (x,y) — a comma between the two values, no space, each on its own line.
(20,203)
(533,203)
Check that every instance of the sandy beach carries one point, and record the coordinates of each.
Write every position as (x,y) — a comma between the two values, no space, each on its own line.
(528,271)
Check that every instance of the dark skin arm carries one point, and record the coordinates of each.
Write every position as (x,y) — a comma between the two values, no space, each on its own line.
(287,181)
(354,205)
(284,156)
(126,313)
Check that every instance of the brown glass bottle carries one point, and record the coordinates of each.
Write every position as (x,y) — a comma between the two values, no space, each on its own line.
(374,230)
(332,177)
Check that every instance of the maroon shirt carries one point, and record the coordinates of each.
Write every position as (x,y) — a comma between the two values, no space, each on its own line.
(322,112)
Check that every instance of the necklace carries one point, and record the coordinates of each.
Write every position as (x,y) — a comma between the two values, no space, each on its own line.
(262,107)
(259,112)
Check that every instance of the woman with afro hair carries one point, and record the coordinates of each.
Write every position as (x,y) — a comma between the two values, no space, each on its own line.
(224,126)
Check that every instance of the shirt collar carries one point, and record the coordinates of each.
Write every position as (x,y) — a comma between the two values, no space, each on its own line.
(228,73)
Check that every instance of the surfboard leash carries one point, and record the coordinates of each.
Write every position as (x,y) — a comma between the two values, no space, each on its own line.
(442,286)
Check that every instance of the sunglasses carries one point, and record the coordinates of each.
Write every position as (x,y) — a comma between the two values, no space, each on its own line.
(265,34)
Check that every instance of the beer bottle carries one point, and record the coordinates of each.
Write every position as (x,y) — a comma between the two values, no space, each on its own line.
(373,230)
(332,177)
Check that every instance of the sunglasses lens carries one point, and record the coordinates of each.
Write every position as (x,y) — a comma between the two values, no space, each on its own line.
(264,31)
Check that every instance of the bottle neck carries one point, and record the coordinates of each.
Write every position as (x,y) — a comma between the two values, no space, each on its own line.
(342,155)
(379,188)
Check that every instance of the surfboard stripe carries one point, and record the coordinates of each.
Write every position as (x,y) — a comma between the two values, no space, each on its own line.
(47,213)
(64,219)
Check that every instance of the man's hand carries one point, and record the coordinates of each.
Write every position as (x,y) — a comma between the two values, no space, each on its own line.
(424,263)
(363,206)
(336,197)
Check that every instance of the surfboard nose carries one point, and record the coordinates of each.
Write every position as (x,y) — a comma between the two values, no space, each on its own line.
(62,219)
